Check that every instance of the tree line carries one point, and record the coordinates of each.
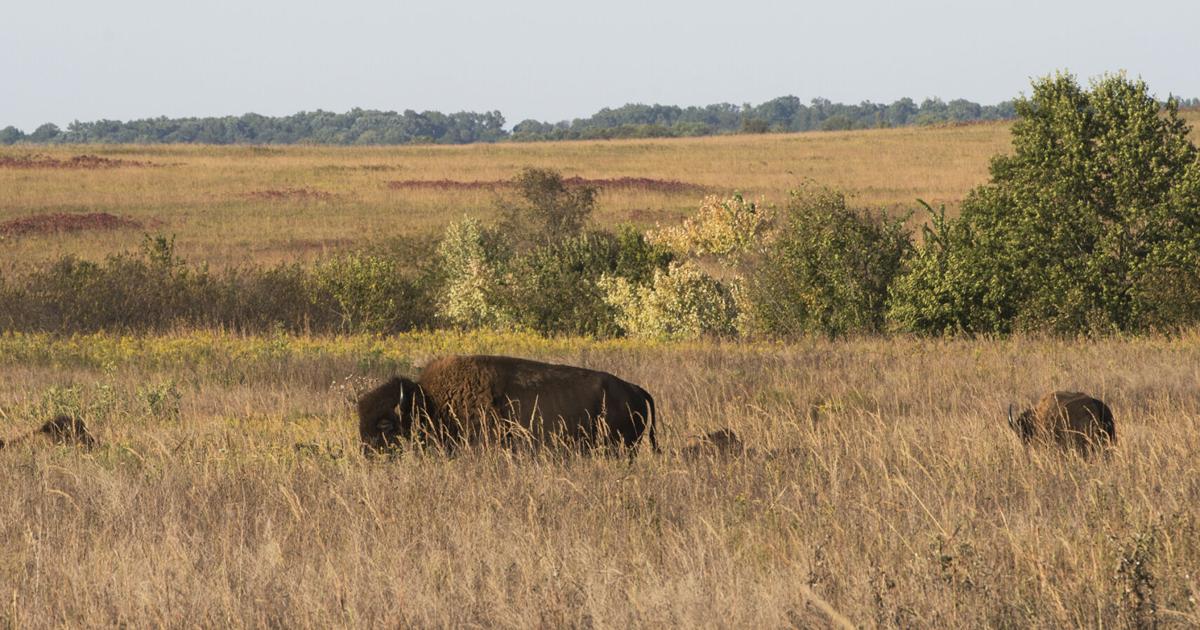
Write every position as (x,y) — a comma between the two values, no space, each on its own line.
(374,127)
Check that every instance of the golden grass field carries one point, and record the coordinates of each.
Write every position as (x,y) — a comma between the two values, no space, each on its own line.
(885,487)
(205,194)
(229,491)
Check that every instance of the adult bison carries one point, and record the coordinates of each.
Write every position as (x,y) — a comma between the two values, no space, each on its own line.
(62,429)
(477,400)
(1071,419)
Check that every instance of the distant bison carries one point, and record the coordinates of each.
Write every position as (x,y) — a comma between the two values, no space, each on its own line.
(62,429)
(476,400)
(1071,419)
(718,443)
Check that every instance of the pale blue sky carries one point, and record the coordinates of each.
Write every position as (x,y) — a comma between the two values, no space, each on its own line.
(123,59)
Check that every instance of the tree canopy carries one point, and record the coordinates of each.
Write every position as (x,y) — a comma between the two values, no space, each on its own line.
(1092,224)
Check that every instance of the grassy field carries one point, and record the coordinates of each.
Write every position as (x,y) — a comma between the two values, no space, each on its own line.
(884,487)
(241,204)
(228,491)
(233,205)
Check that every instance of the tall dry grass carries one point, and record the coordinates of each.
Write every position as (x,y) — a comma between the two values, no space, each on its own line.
(885,484)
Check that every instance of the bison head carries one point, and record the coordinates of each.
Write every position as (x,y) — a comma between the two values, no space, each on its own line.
(1022,423)
(386,414)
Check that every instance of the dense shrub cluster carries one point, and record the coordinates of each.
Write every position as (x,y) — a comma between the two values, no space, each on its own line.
(681,302)
(827,270)
(539,269)
(1091,225)
(153,290)
(725,229)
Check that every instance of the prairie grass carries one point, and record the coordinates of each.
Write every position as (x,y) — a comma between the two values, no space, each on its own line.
(884,482)
(218,199)
(212,198)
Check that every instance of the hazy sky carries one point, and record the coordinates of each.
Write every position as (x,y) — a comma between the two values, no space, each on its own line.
(555,60)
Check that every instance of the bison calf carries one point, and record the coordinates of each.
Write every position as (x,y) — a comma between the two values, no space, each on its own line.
(720,443)
(487,399)
(62,429)
(1071,419)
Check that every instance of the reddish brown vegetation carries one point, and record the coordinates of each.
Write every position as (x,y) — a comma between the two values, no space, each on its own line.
(637,183)
(90,162)
(59,222)
(617,183)
(443,184)
(281,194)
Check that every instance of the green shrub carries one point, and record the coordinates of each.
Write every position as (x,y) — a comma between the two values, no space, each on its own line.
(281,297)
(151,290)
(637,257)
(367,293)
(827,270)
(1091,225)
(545,209)
(940,290)
(554,289)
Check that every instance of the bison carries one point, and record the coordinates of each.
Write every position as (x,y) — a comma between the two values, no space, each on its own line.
(1071,419)
(62,429)
(476,400)
(713,444)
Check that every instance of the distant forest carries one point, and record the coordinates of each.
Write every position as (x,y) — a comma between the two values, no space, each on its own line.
(373,127)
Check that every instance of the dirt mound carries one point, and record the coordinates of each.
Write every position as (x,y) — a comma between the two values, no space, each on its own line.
(290,194)
(618,183)
(89,162)
(59,222)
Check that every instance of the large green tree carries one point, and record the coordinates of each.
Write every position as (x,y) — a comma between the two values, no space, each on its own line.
(1091,224)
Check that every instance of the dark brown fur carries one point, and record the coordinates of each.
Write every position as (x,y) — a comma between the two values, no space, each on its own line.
(62,429)
(488,399)
(1070,419)
(720,443)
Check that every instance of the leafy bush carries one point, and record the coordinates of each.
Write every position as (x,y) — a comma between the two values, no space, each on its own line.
(638,257)
(545,210)
(827,270)
(680,303)
(150,290)
(725,228)
(940,290)
(277,298)
(468,257)
(153,290)
(368,294)
(554,288)
(1091,225)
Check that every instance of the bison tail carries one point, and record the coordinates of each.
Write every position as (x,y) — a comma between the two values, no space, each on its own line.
(1107,424)
(651,422)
